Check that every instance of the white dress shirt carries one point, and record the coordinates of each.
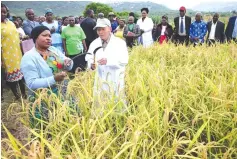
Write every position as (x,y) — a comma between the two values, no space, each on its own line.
(163,30)
(184,33)
(213,30)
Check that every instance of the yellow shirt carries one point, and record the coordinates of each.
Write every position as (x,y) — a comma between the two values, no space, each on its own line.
(119,32)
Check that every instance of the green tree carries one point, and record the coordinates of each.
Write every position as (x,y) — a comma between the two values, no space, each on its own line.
(98,8)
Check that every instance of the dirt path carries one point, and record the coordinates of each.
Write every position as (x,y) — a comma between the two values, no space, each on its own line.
(11,119)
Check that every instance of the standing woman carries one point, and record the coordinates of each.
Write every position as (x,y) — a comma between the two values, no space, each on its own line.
(146,25)
(65,23)
(163,31)
(54,29)
(119,30)
(11,54)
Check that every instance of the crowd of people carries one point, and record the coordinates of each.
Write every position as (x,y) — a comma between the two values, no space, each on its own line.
(103,42)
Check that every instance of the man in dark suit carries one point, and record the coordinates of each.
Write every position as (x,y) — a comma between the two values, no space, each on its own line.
(231,29)
(182,26)
(216,30)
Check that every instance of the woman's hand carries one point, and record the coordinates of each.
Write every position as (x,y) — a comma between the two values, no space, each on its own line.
(60,76)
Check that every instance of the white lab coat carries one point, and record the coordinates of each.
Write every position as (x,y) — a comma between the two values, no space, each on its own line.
(109,78)
(147,26)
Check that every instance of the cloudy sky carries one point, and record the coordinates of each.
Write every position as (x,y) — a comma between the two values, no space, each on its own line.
(173,4)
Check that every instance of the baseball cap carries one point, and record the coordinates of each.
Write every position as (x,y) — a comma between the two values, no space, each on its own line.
(182,8)
(48,10)
(101,23)
(111,13)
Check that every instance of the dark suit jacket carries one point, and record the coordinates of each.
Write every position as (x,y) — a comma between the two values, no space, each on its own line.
(230,27)
(187,25)
(158,30)
(219,33)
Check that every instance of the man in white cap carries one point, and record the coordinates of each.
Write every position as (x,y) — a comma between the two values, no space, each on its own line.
(109,61)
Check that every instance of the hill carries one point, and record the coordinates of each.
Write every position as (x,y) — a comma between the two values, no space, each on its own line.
(136,6)
(216,7)
(63,8)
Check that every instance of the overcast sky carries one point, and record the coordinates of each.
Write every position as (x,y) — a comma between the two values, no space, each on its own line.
(173,4)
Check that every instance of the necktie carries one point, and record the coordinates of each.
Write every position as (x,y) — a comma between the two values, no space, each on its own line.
(182,26)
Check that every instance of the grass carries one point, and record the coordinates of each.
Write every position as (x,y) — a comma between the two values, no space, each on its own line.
(182,103)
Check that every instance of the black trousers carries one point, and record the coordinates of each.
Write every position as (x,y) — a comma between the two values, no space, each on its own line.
(14,88)
(181,40)
(88,43)
(78,61)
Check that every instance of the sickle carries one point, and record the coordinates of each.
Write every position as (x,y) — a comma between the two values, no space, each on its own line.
(94,52)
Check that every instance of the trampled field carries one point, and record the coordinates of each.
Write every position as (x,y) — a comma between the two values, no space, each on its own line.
(181,103)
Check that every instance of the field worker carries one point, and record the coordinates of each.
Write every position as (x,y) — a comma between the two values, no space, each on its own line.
(146,26)
(109,61)
(198,30)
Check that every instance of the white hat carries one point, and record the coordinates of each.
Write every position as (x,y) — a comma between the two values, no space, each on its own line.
(101,23)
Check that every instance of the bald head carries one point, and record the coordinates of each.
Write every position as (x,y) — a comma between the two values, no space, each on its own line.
(30,14)
(130,20)
(198,17)
(215,17)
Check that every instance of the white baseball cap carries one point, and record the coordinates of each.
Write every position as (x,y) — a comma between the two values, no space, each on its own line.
(101,23)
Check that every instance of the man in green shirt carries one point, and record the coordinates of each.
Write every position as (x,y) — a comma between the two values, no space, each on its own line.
(73,39)
(74,43)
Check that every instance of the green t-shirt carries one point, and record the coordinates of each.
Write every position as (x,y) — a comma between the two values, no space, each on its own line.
(73,36)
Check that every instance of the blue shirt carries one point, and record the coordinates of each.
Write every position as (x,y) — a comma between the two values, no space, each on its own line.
(37,72)
(198,29)
(234,34)
(29,25)
(114,25)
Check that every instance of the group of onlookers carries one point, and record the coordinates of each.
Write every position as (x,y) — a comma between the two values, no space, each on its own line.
(73,36)
(53,47)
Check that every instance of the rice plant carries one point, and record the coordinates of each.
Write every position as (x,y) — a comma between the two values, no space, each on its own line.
(181,103)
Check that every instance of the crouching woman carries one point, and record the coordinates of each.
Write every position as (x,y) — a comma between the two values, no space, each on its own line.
(43,66)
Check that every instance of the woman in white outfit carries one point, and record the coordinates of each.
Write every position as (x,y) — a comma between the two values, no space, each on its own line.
(146,25)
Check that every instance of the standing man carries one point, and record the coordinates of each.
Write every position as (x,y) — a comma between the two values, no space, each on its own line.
(131,32)
(181,29)
(109,61)
(88,25)
(198,30)
(146,26)
(74,42)
(29,24)
(216,30)
(113,21)
(231,29)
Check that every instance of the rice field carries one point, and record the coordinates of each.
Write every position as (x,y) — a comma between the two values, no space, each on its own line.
(181,103)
